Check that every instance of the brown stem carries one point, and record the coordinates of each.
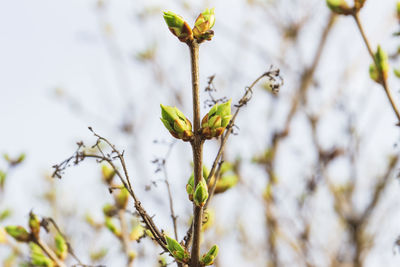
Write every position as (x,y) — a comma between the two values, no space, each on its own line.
(50,253)
(383,81)
(197,147)
(124,236)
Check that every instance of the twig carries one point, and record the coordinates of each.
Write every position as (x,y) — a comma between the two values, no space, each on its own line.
(79,156)
(50,253)
(383,81)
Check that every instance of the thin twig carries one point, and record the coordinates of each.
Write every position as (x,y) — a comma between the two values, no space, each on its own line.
(383,81)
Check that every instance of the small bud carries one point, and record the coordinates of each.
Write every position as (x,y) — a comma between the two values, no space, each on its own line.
(201,193)
(61,246)
(34,224)
(358,4)
(3,235)
(14,161)
(5,214)
(339,6)
(373,73)
(380,70)
(209,257)
(162,261)
(225,182)
(206,172)
(109,210)
(98,254)
(398,10)
(177,250)
(18,233)
(176,123)
(215,122)
(122,198)
(3,176)
(202,27)
(149,233)
(178,26)
(112,227)
(38,258)
(397,72)
(131,256)
(190,187)
(107,172)
(208,219)
(137,230)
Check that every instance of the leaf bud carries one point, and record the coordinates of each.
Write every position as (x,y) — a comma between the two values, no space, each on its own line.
(209,257)
(201,193)
(176,123)
(178,26)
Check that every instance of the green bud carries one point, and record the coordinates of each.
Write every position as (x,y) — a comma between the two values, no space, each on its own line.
(209,257)
(34,224)
(206,172)
(3,235)
(107,172)
(226,182)
(374,73)
(358,4)
(201,193)
(177,250)
(208,219)
(149,233)
(61,246)
(5,214)
(18,233)
(122,198)
(3,176)
(109,210)
(112,227)
(162,261)
(38,258)
(226,167)
(14,161)
(398,9)
(382,63)
(176,123)
(397,72)
(137,230)
(131,255)
(190,187)
(98,254)
(178,26)
(202,27)
(339,6)
(215,122)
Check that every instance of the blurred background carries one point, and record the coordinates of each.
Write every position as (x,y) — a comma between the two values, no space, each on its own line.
(316,164)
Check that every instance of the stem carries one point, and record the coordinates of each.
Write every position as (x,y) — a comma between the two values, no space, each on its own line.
(124,236)
(197,147)
(50,253)
(383,81)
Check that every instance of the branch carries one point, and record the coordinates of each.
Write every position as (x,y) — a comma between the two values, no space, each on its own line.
(79,156)
(383,81)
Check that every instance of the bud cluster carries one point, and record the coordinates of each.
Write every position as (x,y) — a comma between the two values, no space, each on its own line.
(214,123)
(209,257)
(176,123)
(339,7)
(177,250)
(379,70)
(201,30)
